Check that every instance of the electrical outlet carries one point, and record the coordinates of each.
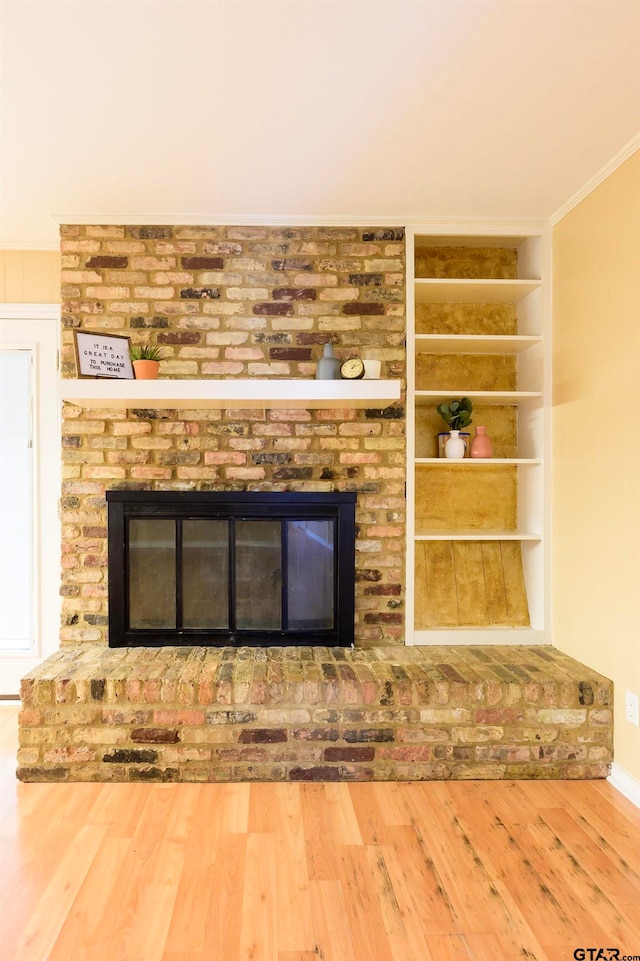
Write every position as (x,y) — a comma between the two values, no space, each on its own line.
(632,708)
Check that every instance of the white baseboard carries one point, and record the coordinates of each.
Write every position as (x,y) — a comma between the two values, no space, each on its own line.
(626,783)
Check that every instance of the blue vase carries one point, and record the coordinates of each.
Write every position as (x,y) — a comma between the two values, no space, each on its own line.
(328,367)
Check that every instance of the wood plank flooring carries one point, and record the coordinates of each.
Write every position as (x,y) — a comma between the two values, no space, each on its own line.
(436,871)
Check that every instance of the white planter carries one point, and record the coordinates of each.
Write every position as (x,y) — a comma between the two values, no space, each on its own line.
(454,447)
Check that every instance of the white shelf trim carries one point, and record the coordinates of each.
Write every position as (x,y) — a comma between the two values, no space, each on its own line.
(240,393)
(475,343)
(445,291)
(476,461)
(507,397)
(489,535)
(478,635)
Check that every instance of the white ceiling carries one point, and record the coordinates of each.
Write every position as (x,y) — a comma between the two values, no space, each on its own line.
(254,110)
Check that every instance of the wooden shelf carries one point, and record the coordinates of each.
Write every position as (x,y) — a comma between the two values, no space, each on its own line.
(476,461)
(474,535)
(445,291)
(474,343)
(489,397)
(259,393)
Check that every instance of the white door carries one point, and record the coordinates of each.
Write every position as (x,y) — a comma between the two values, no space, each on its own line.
(29,489)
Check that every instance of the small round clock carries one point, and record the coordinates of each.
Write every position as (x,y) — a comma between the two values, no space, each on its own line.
(352,369)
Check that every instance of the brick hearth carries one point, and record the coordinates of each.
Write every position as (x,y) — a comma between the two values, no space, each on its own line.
(318,714)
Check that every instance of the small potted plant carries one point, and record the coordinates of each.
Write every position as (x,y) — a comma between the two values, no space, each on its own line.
(145,360)
(456,415)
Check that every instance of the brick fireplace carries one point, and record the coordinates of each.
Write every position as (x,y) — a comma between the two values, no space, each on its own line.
(231,302)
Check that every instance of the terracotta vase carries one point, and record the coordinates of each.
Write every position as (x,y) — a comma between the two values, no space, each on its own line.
(146,369)
(481,445)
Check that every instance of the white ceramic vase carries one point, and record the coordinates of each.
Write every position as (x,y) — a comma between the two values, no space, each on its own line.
(454,447)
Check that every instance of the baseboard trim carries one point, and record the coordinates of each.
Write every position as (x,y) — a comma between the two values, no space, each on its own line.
(626,783)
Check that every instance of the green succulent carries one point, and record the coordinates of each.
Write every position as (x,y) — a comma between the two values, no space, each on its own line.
(145,352)
(456,414)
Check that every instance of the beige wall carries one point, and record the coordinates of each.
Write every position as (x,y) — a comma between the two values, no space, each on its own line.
(29,277)
(596,454)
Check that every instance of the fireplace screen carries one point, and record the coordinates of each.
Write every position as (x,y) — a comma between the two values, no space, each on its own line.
(230,568)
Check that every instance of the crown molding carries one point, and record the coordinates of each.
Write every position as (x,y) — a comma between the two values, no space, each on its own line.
(298,220)
(616,161)
(225,220)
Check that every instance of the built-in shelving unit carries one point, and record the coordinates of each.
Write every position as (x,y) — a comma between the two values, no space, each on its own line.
(461,329)
(239,393)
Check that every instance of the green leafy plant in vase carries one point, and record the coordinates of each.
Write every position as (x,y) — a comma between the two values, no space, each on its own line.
(456,415)
(145,359)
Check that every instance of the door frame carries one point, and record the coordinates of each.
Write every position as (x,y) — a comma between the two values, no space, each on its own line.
(37,326)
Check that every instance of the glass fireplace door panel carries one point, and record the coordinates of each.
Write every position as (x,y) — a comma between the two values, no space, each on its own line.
(310,575)
(258,575)
(205,574)
(152,573)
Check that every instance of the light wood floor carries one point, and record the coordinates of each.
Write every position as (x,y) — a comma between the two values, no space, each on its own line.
(490,871)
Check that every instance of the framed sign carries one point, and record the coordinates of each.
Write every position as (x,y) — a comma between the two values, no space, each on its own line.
(102,355)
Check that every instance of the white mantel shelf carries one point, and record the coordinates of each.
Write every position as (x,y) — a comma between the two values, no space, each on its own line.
(246,393)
